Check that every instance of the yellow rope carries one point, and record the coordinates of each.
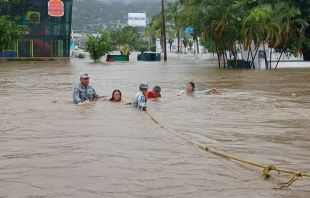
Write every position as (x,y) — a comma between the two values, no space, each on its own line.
(267,168)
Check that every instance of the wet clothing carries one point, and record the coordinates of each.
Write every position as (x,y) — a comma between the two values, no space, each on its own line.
(81,93)
(139,101)
(204,92)
(150,94)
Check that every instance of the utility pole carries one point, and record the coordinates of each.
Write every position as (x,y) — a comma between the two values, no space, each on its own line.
(164,29)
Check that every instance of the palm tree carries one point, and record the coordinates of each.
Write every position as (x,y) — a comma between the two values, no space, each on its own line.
(154,28)
(174,16)
(170,41)
(260,27)
(293,29)
(191,17)
(185,42)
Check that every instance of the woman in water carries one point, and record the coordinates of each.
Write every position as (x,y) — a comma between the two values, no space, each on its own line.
(190,90)
(116,96)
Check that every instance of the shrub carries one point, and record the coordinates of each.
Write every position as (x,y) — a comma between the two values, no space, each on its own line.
(99,46)
(80,55)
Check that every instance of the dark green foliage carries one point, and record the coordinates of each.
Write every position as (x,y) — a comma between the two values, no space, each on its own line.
(99,46)
(10,32)
(80,55)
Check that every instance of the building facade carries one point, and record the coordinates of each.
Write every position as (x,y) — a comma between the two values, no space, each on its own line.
(44,35)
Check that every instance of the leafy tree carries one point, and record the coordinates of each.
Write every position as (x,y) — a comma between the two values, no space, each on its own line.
(99,46)
(190,43)
(154,28)
(185,42)
(142,48)
(208,44)
(170,42)
(129,39)
(116,38)
(173,15)
(10,32)
(225,24)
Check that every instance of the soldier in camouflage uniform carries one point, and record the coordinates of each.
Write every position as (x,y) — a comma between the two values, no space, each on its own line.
(139,101)
(83,92)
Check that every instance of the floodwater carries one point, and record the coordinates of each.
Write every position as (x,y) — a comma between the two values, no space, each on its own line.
(50,147)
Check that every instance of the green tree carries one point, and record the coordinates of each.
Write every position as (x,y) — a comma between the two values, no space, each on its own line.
(170,41)
(293,28)
(99,46)
(173,15)
(224,24)
(155,28)
(185,42)
(129,39)
(10,32)
(116,38)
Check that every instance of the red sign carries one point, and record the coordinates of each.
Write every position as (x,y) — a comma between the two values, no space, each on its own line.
(56,8)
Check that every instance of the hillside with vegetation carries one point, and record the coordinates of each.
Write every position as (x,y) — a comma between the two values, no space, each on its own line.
(92,14)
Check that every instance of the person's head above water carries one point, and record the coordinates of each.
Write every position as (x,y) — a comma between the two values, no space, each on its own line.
(144,87)
(84,78)
(190,87)
(156,91)
(116,96)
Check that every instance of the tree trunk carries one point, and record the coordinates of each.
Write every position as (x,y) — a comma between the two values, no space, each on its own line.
(270,54)
(170,47)
(241,51)
(226,60)
(235,54)
(197,45)
(265,56)
(249,54)
(253,58)
(178,35)
(218,58)
(279,59)
(223,55)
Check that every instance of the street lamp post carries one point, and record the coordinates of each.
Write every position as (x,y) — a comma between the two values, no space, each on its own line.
(164,29)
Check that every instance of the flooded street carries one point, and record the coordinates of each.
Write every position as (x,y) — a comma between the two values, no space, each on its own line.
(53,148)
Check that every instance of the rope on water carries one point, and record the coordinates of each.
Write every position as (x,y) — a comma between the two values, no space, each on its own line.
(266,168)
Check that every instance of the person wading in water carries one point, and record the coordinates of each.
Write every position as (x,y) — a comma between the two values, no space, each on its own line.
(83,92)
(139,101)
(190,90)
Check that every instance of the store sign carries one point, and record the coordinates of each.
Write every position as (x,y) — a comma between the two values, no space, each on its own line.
(56,8)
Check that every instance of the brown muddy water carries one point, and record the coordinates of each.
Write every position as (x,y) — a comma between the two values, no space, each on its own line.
(58,149)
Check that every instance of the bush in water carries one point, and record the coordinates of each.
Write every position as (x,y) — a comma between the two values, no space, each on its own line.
(99,46)
(80,55)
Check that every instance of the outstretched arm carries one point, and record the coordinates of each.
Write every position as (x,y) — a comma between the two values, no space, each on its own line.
(181,93)
(97,96)
(205,92)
